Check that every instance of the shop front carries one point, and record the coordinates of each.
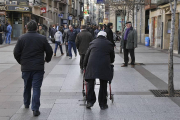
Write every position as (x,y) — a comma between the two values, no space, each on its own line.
(18,17)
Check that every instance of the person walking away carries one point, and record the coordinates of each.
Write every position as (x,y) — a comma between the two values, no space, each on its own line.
(96,32)
(58,41)
(65,38)
(82,43)
(109,32)
(71,36)
(41,31)
(8,34)
(97,63)
(53,31)
(30,53)
(129,43)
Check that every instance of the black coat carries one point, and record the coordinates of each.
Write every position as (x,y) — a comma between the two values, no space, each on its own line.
(29,51)
(82,41)
(98,59)
(53,31)
(110,35)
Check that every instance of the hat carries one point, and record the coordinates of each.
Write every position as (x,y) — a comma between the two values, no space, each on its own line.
(128,22)
(102,33)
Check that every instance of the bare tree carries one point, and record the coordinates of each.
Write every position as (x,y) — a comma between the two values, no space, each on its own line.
(170,64)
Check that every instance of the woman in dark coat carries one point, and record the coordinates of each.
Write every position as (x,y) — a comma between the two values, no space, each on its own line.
(97,62)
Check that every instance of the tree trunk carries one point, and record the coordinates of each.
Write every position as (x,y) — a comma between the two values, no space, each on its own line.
(170,64)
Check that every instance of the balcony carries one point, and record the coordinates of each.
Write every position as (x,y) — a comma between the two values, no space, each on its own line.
(162,2)
(150,4)
(61,1)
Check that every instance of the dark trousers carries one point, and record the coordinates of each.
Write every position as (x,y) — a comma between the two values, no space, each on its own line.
(126,53)
(71,45)
(56,46)
(81,60)
(91,96)
(66,49)
(33,80)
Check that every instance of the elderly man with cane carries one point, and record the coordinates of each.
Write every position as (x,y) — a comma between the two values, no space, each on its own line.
(97,63)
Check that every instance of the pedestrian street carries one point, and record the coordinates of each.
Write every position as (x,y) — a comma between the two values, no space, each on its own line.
(61,91)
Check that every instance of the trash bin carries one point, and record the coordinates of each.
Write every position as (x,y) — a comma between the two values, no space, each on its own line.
(147,41)
(1,38)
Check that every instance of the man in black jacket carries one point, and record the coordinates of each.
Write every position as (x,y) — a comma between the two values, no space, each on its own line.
(82,43)
(53,31)
(109,32)
(97,62)
(29,53)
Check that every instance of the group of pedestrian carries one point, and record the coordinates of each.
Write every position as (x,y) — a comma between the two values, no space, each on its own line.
(96,57)
(6,30)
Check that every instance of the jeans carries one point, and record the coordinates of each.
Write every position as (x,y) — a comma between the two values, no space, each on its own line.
(8,38)
(32,79)
(56,46)
(71,45)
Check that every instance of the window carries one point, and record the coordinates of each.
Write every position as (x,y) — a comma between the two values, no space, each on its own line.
(169,26)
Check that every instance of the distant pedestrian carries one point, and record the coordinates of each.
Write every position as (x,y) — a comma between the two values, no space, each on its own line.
(71,36)
(29,53)
(50,27)
(65,38)
(82,43)
(8,34)
(57,26)
(41,31)
(97,62)
(129,43)
(53,31)
(109,32)
(96,32)
(58,41)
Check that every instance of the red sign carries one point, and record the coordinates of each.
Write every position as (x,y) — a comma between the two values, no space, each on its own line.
(43,10)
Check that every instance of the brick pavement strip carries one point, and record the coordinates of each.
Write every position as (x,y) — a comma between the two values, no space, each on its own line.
(61,90)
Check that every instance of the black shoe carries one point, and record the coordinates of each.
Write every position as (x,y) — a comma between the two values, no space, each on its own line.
(36,113)
(89,105)
(103,107)
(26,106)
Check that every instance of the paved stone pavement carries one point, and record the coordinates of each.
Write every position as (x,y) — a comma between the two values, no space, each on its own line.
(62,99)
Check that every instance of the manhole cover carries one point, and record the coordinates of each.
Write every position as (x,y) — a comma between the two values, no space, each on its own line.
(164,93)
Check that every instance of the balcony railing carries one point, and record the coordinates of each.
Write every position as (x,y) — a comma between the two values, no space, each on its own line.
(150,4)
(61,1)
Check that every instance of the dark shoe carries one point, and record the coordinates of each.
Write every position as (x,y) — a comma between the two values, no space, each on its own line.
(124,65)
(36,113)
(89,105)
(26,106)
(54,54)
(67,54)
(62,54)
(132,66)
(104,107)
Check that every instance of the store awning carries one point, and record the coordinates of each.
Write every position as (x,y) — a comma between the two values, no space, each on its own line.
(47,19)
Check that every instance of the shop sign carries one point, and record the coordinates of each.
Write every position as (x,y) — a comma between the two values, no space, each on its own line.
(60,15)
(17,8)
(43,10)
(23,3)
(100,1)
(2,7)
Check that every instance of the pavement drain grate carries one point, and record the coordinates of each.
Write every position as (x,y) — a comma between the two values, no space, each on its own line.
(164,93)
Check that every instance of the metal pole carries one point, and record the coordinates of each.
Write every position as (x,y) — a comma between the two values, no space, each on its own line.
(140,22)
(162,35)
(135,25)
